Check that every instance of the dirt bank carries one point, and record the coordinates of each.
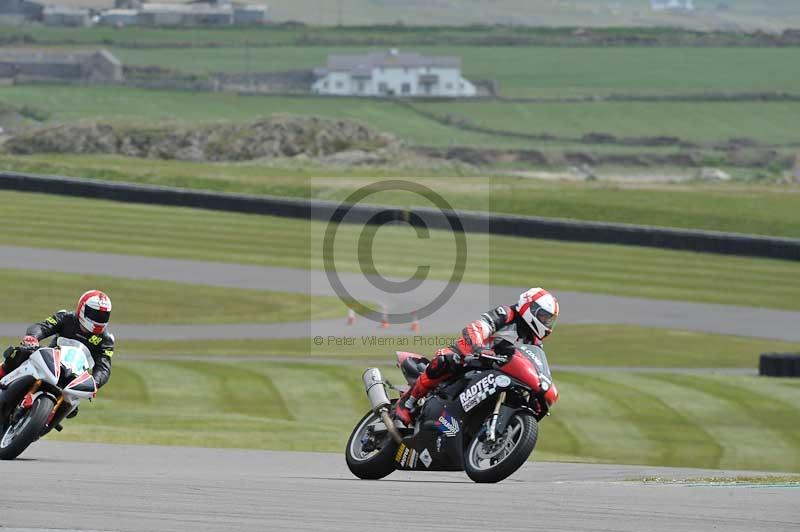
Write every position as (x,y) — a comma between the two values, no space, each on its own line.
(276,136)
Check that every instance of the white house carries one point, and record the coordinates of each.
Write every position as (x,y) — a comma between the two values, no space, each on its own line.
(672,5)
(392,74)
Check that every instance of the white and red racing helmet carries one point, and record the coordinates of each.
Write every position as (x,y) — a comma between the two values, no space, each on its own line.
(94,311)
(539,309)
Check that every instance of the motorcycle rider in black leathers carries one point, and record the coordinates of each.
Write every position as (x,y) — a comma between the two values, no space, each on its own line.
(529,321)
(88,325)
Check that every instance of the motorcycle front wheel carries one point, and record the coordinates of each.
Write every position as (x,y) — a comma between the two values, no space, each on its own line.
(489,462)
(378,460)
(26,428)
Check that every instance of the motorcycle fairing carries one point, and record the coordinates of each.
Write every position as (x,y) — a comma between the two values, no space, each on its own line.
(445,422)
(52,358)
(44,365)
(82,387)
(40,365)
(529,366)
(475,387)
(439,443)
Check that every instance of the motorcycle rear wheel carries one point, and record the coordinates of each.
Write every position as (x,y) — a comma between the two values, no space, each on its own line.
(374,465)
(490,463)
(27,429)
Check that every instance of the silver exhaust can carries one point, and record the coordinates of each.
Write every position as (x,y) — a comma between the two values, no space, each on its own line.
(373,383)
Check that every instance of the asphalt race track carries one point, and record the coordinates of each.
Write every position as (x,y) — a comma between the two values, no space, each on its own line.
(466,304)
(91,487)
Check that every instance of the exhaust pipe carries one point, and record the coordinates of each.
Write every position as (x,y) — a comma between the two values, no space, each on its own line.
(373,382)
(376,391)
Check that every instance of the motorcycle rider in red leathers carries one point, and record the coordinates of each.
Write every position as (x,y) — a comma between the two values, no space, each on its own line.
(529,321)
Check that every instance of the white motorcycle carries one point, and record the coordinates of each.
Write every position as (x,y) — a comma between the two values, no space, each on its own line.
(37,396)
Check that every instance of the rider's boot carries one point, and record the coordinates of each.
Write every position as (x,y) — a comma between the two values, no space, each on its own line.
(407,404)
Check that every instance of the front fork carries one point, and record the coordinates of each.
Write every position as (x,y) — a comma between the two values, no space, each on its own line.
(491,434)
(35,387)
(60,411)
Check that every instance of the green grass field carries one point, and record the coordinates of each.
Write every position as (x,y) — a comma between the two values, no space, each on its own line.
(656,419)
(732,207)
(249,239)
(716,422)
(64,104)
(39,294)
(769,122)
(531,71)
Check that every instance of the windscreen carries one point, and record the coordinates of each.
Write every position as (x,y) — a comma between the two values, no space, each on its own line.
(539,358)
(75,356)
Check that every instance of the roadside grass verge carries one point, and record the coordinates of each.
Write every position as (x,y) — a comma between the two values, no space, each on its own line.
(614,418)
(732,207)
(609,345)
(250,239)
(33,295)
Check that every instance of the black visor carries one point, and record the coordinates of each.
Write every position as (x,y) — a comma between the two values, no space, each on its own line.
(97,316)
(547,319)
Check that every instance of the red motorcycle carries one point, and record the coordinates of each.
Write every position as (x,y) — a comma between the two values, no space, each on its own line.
(484,422)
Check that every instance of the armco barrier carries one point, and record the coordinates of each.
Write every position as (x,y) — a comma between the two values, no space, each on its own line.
(499,224)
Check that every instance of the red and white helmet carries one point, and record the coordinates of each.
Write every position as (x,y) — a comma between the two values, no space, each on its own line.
(94,311)
(539,309)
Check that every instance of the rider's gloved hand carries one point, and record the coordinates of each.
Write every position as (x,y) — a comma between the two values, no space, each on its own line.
(476,358)
(30,341)
(485,352)
(489,355)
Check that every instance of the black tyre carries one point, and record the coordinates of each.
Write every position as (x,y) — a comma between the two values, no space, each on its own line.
(376,463)
(492,462)
(27,429)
